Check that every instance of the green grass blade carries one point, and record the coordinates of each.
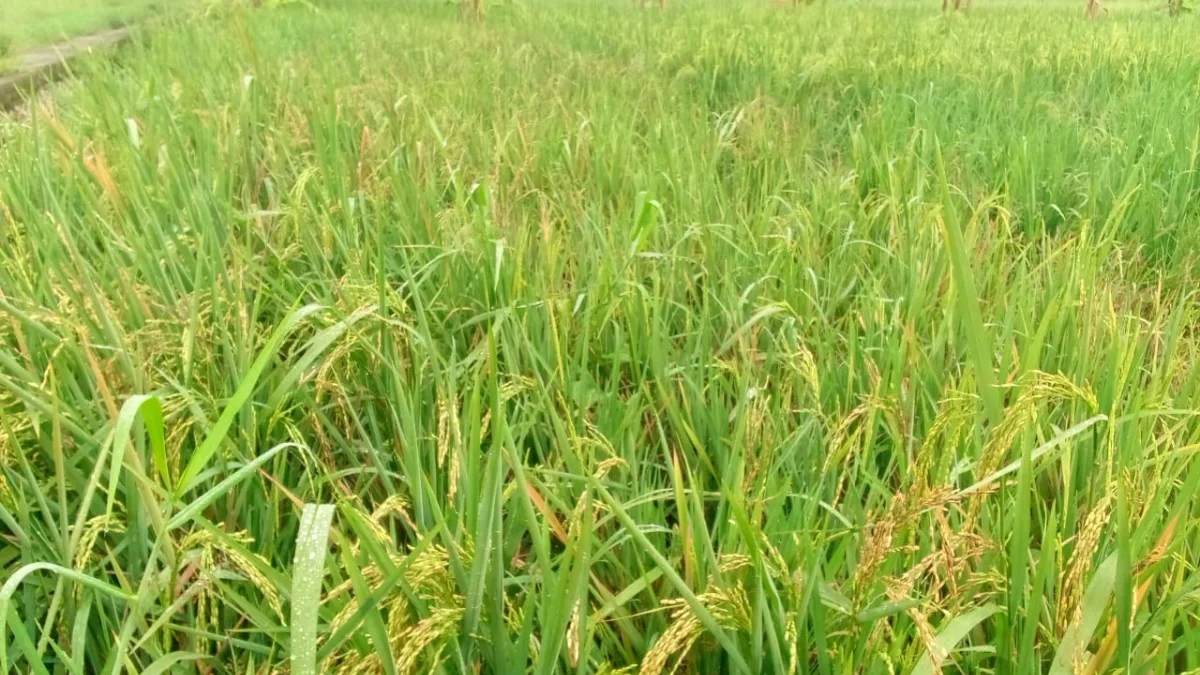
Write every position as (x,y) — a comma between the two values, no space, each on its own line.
(216,435)
(13,582)
(312,543)
(197,505)
(954,631)
(969,314)
(171,663)
(1034,455)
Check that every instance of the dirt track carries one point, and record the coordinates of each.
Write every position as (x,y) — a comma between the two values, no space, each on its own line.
(36,67)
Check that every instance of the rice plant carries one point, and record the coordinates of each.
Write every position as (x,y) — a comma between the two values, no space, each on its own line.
(360,338)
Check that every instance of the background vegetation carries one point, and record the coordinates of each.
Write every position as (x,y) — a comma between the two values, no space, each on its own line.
(726,338)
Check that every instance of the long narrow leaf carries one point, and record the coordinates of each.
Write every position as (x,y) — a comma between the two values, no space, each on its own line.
(954,631)
(217,434)
(312,543)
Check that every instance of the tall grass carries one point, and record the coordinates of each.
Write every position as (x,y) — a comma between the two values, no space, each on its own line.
(719,338)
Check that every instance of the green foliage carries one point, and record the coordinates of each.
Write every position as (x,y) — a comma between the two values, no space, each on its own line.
(212,8)
(738,338)
(308,571)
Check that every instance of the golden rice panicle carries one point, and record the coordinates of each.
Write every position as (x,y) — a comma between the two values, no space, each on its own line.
(951,426)
(449,439)
(247,564)
(92,529)
(677,639)
(1086,544)
(1037,389)
(729,607)
(441,623)
(394,505)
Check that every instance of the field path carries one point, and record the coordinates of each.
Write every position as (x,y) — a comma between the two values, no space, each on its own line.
(36,67)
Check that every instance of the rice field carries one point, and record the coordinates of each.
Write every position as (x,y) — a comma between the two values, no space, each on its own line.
(379,337)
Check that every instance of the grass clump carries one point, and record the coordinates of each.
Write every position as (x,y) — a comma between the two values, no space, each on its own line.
(722,338)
